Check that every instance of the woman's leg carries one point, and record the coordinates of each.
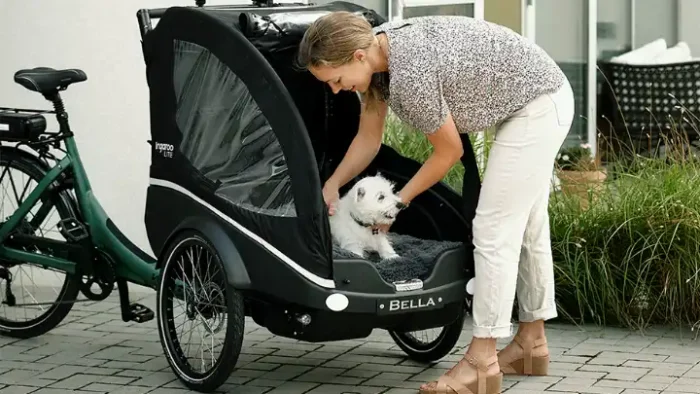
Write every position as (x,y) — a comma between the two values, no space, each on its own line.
(528,354)
(520,162)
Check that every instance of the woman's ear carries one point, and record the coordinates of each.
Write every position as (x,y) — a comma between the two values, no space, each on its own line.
(360,55)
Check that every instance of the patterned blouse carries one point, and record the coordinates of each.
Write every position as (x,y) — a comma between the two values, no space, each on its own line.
(478,71)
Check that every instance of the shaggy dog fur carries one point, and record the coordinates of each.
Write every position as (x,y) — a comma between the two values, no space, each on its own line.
(371,201)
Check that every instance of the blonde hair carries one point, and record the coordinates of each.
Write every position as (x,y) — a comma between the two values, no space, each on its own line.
(332,40)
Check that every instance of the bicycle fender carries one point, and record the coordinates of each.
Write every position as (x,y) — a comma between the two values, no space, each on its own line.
(228,252)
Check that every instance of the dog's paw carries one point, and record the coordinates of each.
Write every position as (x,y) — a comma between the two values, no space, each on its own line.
(359,253)
(356,251)
(390,256)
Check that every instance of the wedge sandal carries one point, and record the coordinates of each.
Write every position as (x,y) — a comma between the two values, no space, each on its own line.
(483,384)
(526,365)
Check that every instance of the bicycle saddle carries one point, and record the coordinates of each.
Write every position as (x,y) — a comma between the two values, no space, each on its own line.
(46,80)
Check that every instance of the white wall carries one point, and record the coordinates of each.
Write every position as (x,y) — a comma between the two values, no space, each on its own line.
(109,112)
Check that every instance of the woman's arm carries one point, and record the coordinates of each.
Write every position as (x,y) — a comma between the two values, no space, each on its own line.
(447,151)
(364,146)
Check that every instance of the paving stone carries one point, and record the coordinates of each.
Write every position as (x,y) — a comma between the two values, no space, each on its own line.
(361,373)
(400,391)
(293,388)
(37,366)
(393,368)
(632,385)
(79,381)
(132,390)
(286,372)
(61,372)
(154,379)
(636,391)
(600,390)
(102,387)
(628,373)
(328,375)
(93,351)
(688,385)
(230,389)
(614,358)
(341,389)
(270,383)
(16,377)
(535,383)
(569,384)
(48,390)
(17,389)
(663,369)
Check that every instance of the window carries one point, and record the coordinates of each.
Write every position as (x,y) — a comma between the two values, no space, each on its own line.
(225,135)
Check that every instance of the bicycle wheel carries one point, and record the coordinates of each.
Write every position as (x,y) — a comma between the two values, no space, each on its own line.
(55,294)
(420,348)
(202,294)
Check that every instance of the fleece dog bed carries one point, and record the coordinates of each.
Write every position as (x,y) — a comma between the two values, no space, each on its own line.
(417,257)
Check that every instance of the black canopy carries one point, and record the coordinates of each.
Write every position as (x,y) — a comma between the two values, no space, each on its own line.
(238,128)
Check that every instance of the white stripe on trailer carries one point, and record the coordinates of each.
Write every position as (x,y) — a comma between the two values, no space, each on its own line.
(327,283)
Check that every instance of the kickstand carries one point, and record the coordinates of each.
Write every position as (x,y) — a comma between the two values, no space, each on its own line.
(9,297)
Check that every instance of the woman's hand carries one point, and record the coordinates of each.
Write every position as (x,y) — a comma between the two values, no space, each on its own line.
(330,197)
(363,148)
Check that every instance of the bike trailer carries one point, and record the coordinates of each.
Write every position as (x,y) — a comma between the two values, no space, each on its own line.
(242,141)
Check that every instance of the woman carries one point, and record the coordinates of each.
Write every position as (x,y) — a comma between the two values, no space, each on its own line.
(447,75)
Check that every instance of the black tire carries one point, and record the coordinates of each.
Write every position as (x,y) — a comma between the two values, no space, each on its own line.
(435,349)
(65,205)
(234,311)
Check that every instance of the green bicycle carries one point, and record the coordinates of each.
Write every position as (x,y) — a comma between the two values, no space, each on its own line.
(93,244)
(94,254)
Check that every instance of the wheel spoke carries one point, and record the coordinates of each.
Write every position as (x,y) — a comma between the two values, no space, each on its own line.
(197,333)
(41,301)
(432,344)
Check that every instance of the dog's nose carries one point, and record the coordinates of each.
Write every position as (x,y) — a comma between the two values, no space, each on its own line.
(400,205)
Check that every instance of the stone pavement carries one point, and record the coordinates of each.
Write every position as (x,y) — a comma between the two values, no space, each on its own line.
(95,352)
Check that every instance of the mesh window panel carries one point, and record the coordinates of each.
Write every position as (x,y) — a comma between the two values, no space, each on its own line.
(226,136)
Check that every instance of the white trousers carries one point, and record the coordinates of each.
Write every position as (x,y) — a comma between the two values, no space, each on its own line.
(512,248)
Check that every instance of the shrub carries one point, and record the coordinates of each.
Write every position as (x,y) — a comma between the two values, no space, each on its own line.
(576,158)
(631,258)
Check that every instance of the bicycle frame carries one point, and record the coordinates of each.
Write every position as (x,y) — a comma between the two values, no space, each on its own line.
(130,263)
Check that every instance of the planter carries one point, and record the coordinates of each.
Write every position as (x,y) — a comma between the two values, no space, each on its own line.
(584,185)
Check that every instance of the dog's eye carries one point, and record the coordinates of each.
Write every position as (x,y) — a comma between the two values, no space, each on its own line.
(380,197)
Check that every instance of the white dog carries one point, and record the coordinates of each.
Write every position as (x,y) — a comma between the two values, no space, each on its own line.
(371,201)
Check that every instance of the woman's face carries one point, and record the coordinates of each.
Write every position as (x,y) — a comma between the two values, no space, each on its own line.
(354,76)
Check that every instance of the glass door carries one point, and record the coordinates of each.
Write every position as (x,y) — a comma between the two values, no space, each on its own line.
(567,31)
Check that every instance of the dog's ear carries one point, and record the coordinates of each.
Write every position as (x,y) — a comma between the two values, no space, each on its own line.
(360,194)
